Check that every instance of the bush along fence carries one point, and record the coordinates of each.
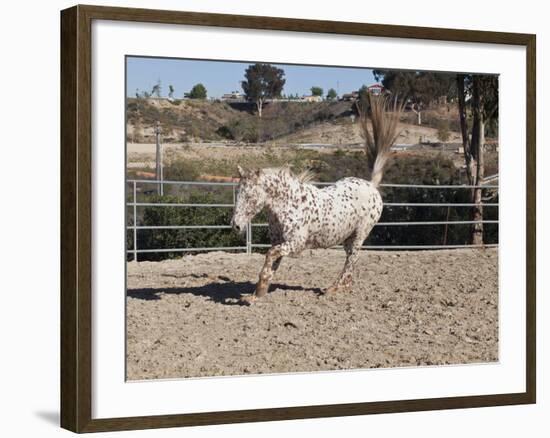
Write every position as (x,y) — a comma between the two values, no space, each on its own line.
(194,216)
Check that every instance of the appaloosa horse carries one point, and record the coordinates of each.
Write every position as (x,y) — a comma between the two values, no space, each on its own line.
(302,216)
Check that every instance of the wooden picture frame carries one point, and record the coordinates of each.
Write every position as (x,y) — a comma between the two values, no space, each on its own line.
(76,218)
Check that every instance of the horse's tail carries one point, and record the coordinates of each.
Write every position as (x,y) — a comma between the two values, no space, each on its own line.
(382,118)
(378,168)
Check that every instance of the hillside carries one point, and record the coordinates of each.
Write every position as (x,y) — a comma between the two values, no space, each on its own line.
(199,121)
(288,122)
(345,132)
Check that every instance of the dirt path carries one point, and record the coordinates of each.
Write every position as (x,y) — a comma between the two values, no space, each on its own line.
(406,309)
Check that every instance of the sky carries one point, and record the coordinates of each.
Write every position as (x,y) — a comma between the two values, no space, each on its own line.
(220,77)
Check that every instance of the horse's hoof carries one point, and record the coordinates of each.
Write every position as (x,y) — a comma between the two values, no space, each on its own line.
(261,291)
(331,290)
(248,299)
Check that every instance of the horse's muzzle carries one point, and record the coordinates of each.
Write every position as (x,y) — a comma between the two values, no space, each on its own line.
(238,227)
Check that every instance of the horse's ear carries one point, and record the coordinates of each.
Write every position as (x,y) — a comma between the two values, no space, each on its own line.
(257,172)
(241,171)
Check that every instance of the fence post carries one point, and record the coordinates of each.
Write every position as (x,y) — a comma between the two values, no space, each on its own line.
(249,238)
(135,224)
(158,158)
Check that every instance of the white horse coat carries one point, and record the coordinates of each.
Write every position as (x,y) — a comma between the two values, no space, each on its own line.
(302,216)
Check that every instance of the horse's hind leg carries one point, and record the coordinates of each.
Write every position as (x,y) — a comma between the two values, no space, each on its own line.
(352,246)
(345,278)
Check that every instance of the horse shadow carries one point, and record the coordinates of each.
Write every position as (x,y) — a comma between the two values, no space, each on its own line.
(228,293)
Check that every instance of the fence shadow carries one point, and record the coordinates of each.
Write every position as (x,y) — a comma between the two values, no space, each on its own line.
(228,293)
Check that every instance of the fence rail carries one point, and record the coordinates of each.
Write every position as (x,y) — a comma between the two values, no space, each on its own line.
(234,184)
(249,245)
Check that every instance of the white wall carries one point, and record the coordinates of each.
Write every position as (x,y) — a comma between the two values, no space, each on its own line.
(29,313)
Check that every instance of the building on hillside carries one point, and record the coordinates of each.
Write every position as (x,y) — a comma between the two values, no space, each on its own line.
(310,98)
(377,89)
(374,89)
(234,95)
(350,97)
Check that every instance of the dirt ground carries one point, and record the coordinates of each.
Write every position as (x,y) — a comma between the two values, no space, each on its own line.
(405,309)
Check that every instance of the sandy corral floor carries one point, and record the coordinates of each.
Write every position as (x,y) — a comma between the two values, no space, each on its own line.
(405,309)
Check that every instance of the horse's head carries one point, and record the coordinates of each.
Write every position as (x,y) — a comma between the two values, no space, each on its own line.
(251,198)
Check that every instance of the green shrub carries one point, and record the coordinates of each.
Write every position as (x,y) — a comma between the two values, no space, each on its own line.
(191,238)
(181,170)
(225,132)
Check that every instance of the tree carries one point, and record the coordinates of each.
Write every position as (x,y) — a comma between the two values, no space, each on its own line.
(263,81)
(477,108)
(171,91)
(362,103)
(157,89)
(316,91)
(331,94)
(419,88)
(197,92)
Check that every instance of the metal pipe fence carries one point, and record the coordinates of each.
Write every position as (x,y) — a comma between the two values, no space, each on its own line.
(249,245)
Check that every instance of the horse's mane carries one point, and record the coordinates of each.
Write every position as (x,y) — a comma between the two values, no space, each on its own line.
(305,176)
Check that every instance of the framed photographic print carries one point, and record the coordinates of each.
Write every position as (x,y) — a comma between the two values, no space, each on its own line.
(268,218)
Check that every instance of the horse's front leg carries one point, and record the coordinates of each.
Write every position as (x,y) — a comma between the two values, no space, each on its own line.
(276,264)
(271,264)
(266,274)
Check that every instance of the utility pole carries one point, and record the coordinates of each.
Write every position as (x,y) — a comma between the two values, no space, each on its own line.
(159,167)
